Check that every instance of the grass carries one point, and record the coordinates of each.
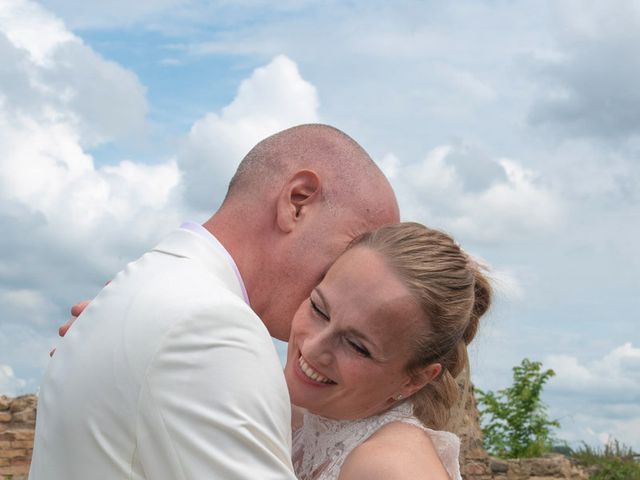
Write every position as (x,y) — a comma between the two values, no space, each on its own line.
(614,461)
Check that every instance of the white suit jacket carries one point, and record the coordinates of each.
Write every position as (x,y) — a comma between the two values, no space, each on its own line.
(168,374)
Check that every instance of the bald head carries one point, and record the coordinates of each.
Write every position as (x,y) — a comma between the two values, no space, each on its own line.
(297,200)
(351,179)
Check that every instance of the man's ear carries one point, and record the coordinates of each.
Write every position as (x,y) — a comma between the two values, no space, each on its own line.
(302,189)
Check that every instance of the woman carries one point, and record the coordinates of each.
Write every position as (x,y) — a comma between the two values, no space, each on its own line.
(374,353)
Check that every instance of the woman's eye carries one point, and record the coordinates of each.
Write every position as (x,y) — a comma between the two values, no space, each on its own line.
(317,310)
(360,350)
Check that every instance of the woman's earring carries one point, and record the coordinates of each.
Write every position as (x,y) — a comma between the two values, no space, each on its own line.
(399,397)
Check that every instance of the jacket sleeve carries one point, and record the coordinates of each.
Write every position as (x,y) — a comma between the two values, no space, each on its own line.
(213,402)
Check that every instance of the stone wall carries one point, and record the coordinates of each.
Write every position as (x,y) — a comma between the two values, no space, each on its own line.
(550,467)
(17,424)
(18,415)
(474,460)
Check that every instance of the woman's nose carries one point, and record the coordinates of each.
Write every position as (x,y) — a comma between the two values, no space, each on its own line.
(318,347)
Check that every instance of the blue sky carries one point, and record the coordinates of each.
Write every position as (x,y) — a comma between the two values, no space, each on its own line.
(515,126)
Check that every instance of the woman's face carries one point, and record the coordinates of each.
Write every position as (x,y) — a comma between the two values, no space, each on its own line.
(350,341)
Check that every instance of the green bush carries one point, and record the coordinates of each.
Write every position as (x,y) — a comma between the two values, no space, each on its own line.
(515,422)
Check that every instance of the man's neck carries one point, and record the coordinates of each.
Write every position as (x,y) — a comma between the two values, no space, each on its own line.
(241,244)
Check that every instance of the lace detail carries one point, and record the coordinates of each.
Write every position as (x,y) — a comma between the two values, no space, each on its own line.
(321,445)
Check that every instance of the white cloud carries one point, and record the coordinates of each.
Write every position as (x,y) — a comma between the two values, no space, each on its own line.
(25,306)
(594,20)
(9,384)
(586,172)
(469,85)
(44,168)
(615,377)
(58,98)
(588,87)
(474,197)
(596,428)
(275,97)
(506,284)
(53,77)
(26,348)
(597,400)
(32,29)
(517,206)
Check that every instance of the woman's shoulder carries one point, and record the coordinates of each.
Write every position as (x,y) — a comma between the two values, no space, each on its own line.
(395,452)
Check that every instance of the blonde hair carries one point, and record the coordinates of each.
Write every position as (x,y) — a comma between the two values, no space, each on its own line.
(452,293)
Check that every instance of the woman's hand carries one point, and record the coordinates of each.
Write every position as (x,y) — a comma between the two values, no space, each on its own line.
(76,310)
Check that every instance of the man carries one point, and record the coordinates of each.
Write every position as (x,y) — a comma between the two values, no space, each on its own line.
(171,372)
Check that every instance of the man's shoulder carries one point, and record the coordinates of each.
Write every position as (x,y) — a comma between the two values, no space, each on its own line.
(178,287)
(154,304)
(193,301)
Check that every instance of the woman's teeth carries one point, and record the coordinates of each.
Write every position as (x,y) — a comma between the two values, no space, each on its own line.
(312,374)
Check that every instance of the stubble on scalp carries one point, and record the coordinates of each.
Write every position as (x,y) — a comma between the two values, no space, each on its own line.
(351,181)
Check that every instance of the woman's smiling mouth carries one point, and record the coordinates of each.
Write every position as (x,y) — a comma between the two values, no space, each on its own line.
(312,374)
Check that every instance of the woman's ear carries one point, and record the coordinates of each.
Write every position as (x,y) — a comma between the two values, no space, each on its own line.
(302,190)
(420,378)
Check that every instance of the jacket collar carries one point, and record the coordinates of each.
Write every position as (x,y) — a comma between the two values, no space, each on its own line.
(189,244)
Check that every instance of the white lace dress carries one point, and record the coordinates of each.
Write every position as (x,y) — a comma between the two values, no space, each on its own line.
(321,445)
